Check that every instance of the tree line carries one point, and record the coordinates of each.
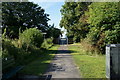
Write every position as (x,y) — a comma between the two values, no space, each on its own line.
(17,17)
(23,25)
(96,23)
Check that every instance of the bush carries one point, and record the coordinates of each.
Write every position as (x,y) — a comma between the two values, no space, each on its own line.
(88,48)
(47,43)
(93,35)
(21,56)
(104,24)
(8,49)
(30,37)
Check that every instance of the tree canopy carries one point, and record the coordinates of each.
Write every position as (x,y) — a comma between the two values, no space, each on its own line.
(99,23)
(19,16)
(53,32)
(104,20)
(71,14)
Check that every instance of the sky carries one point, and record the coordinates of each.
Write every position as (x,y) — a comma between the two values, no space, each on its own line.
(53,9)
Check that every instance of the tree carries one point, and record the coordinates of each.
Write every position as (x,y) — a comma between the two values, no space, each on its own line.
(53,32)
(104,20)
(72,16)
(19,16)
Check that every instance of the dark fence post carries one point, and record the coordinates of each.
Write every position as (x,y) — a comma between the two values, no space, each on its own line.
(113,61)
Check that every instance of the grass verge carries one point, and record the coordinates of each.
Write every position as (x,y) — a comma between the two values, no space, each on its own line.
(90,66)
(40,64)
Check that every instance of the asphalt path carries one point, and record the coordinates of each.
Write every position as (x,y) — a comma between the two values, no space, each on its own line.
(63,66)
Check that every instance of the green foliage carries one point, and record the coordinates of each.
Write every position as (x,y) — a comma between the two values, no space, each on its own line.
(104,24)
(21,56)
(8,48)
(22,27)
(47,43)
(98,23)
(40,64)
(73,19)
(23,15)
(103,14)
(112,36)
(93,35)
(17,17)
(30,37)
(53,32)
(24,47)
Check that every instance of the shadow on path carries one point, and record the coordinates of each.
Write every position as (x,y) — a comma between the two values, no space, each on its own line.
(63,66)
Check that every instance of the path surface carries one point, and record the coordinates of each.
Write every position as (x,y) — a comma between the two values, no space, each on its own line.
(63,65)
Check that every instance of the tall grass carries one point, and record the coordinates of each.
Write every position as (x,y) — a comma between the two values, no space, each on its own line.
(26,48)
(40,64)
(89,49)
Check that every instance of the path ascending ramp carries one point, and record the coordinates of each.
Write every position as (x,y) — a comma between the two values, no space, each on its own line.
(63,65)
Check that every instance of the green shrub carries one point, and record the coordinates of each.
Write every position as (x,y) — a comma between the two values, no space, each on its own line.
(21,56)
(112,37)
(8,49)
(30,37)
(93,35)
(47,43)
(104,24)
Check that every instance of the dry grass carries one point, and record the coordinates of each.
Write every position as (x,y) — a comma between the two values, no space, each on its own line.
(88,48)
